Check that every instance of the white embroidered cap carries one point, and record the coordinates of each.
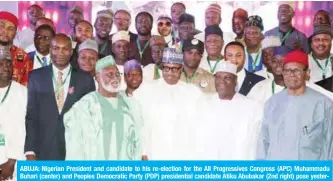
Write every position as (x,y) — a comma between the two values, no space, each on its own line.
(121,35)
(226,66)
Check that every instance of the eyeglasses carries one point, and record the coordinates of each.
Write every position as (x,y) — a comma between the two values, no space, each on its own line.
(167,24)
(173,69)
(293,71)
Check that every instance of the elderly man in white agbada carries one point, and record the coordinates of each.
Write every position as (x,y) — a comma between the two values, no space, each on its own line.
(227,123)
(168,111)
(104,125)
(13,102)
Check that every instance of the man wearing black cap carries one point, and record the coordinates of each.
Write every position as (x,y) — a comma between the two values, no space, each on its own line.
(193,50)
(214,43)
(140,49)
(186,29)
(320,57)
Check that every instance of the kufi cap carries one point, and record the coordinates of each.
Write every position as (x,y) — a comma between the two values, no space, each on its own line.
(77,9)
(121,35)
(213,8)
(105,62)
(186,18)
(89,44)
(270,41)
(193,44)
(4,15)
(5,53)
(255,21)
(172,55)
(321,29)
(226,66)
(164,16)
(106,13)
(213,29)
(132,64)
(240,13)
(296,56)
(157,40)
(282,50)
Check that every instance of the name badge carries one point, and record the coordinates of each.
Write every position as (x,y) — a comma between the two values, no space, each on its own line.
(203,84)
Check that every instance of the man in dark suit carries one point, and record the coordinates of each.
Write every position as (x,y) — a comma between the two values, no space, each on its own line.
(52,92)
(235,53)
(326,84)
(42,40)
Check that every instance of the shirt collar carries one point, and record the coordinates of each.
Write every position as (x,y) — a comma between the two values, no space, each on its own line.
(48,56)
(65,71)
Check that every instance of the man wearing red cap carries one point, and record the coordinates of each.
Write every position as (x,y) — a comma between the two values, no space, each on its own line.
(298,121)
(21,62)
(239,19)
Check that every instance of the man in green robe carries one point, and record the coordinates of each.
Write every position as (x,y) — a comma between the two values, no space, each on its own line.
(104,125)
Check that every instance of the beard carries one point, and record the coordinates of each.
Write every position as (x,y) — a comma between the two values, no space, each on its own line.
(3,43)
(110,88)
(144,33)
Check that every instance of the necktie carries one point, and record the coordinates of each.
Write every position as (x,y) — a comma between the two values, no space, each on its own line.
(60,92)
(44,61)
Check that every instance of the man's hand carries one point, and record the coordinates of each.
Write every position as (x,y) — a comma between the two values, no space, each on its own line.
(31,157)
(7,169)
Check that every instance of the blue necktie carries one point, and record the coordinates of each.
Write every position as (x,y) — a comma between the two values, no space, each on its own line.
(44,61)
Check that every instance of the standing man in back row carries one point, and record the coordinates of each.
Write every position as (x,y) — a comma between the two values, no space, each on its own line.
(298,122)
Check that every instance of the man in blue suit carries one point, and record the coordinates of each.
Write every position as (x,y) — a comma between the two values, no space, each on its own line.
(52,92)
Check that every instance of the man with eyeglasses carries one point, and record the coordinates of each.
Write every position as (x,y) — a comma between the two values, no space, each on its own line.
(164,29)
(42,39)
(221,133)
(104,124)
(168,111)
(320,58)
(153,71)
(298,121)
(253,37)
(122,20)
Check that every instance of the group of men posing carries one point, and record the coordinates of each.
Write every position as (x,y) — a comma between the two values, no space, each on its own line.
(180,95)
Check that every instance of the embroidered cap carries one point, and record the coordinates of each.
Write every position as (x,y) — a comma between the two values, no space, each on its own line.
(193,44)
(282,50)
(255,21)
(172,55)
(226,66)
(89,44)
(121,35)
(297,56)
(104,62)
(131,64)
(270,41)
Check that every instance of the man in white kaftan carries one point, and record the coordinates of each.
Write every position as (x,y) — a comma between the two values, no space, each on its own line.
(168,111)
(13,102)
(227,125)
(104,125)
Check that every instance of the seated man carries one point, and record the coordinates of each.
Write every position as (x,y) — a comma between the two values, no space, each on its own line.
(104,125)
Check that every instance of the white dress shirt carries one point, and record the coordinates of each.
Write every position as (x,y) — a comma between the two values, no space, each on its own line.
(240,79)
(37,64)
(316,74)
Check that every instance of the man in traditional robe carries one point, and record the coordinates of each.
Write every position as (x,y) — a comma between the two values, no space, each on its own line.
(13,101)
(104,125)
(168,110)
(221,133)
(133,76)
(192,73)
(320,58)
(235,53)
(289,35)
(298,121)
(153,71)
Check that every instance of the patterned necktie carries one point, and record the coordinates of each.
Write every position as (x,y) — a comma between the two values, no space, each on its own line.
(60,92)
(44,61)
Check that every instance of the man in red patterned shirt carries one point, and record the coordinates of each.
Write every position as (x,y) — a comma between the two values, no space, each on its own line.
(21,62)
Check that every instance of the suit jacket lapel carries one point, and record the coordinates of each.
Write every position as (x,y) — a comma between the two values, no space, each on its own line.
(71,92)
(48,82)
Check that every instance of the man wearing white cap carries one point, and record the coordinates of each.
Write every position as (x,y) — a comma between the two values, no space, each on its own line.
(103,27)
(228,123)
(120,50)
(268,45)
(104,124)
(88,56)
(168,111)
(13,101)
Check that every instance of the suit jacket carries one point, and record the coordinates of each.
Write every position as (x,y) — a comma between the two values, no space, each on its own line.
(250,80)
(326,83)
(31,55)
(74,62)
(44,125)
